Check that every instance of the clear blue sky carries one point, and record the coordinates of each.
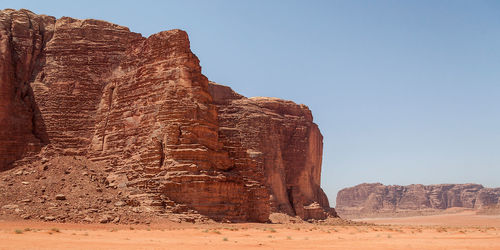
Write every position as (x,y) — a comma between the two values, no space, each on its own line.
(403,91)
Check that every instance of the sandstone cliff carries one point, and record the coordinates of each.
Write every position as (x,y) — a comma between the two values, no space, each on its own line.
(276,142)
(378,198)
(170,141)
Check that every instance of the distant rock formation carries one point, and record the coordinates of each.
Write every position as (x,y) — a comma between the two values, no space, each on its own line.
(141,106)
(370,198)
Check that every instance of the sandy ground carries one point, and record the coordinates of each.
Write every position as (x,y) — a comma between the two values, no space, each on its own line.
(416,233)
(467,218)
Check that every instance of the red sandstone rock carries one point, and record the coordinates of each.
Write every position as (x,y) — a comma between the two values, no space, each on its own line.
(171,140)
(378,198)
(488,198)
(22,36)
(277,142)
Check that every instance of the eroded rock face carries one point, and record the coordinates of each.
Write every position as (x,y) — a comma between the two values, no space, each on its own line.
(275,142)
(53,72)
(171,139)
(487,198)
(22,37)
(368,198)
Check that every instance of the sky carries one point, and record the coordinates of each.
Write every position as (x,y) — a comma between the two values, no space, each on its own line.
(403,91)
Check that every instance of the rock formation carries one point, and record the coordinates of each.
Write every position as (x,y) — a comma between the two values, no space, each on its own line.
(276,142)
(172,140)
(377,198)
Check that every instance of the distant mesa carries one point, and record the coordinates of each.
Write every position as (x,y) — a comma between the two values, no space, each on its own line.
(137,116)
(370,199)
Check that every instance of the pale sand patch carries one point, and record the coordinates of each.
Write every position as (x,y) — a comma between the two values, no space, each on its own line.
(467,218)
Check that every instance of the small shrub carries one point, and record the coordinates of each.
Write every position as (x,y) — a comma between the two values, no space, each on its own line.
(225,239)
(289,237)
(56,230)
(18,231)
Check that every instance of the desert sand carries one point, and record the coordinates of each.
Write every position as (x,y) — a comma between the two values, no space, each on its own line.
(458,231)
(466,218)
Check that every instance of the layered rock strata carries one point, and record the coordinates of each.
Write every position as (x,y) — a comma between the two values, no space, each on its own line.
(369,198)
(277,142)
(141,106)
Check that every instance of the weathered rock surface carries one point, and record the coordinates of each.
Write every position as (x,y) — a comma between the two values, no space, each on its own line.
(52,73)
(370,198)
(22,36)
(487,198)
(276,143)
(171,141)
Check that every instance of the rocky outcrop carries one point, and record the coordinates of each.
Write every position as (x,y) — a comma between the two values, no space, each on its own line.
(22,37)
(171,140)
(378,198)
(275,142)
(53,72)
(487,198)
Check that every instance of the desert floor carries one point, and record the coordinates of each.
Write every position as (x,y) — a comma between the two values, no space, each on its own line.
(458,231)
